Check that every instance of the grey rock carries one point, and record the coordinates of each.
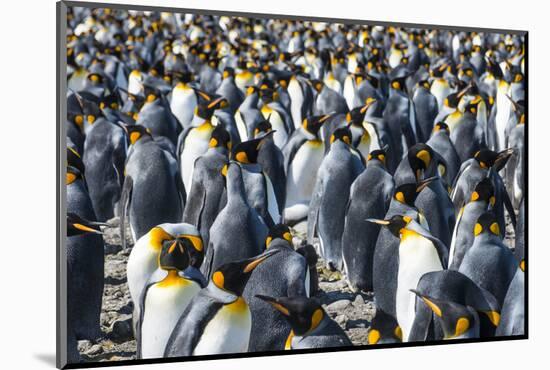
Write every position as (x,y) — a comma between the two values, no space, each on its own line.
(121,329)
(338,305)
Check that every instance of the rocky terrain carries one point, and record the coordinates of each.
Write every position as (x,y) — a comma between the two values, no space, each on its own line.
(352,311)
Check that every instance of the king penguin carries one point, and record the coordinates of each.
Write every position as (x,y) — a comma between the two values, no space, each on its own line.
(311,325)
(143,259)
(488,262)
(184,101)
(359,238)
(304,153)
(152,193)
(162,302)
(426,108)
(419,253)
(238,231)
(156,115)
(327,210)
(384,329)
(513,308)
(206,196)
(218,319)
(285,274)
(441,143)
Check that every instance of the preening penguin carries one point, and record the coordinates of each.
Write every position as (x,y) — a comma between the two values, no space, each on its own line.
(311,325)
(143,259)
(419,253)
(359,238)
(238,224)
(218,319)
(162,302)
(285,274)
(153,192)
(327,210)
(304,153)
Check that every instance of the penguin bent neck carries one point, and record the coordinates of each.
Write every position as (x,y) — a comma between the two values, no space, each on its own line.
(173,279)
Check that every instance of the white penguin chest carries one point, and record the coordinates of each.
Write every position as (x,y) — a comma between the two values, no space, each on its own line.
(164,304)
(302,172)
(417,256)
(277,124)
(196,144)
(141,264)
(228,331)
(183,104)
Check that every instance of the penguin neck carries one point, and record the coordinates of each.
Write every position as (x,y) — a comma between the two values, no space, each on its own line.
(235,188)
(222,295)
(251,101)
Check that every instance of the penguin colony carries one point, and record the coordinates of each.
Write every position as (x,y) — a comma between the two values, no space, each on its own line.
(393,155)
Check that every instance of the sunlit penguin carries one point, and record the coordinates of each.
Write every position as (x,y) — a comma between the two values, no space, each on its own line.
(248,115)
(229,90)
(143,259)
(303,154)
(184,101)
(311,325)
(218,319)
(285,274)
(279,118)
(419,253)
(162,302)
(327,209)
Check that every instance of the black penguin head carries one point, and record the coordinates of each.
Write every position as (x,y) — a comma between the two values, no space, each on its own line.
(251,90)
(90,107)
(455,319)
(76,225)
(220,138)
(268,94)
(407,193)
(151,93)
(228,72)
(384,329)
(208,104)
(233,276)
(109,102)
(317,85)
(420,157)
(451,101)
(303,314)
(263,127)
(441,126)
(356,116)
(174,255)
(137,132)
(395,224)
(487,223)
(343,134)
(313,123)
(378,154)
(247,151)
(398,83)
(73,174)
(193,246)
(281,231)
(424,84)
(75,160)
(487,158)
(471,107)
(484,191)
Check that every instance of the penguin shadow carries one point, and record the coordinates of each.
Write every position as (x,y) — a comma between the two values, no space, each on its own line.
(45,358)
(107,356)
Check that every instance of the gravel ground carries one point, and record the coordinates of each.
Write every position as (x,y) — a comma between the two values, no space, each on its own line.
(352,311)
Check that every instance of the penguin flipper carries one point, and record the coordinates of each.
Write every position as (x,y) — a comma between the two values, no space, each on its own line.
(139,322)
(421,324)
(124,204)
(195,203)
(181,142)
(314,207)
(291,148)
(181,190)
(187,332)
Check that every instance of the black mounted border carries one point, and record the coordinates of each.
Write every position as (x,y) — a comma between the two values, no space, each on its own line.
(61,355)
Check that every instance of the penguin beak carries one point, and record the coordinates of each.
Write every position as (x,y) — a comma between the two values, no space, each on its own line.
(275,303)
(502,158)
(425,183)
(324,118)
(254,262)
(370,102)
(435,308)
(377,221)
(89,227)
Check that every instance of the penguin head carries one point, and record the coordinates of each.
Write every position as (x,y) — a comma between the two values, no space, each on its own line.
(424,84)
(487,158)
(247,151)
(268,94)
(451,101)
(73,174)
(356,115)
(263,127)
(208,103)
(76,225)
(280,231)
(407,193)
(378,154)
(233,276)
(343,134)
(90,107)
(398,83)
(394,224)
(303,314)
(313,124)
(455,319)
(220,138)
(174,255)
(74,159)
(487,224)
(384,329)
(109,102)
(484,191)
(317,85)
(137,132)
(228,72)
(251,90)
(471,107)
(151,93)
(441,126)
(190,241)
(420,157)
